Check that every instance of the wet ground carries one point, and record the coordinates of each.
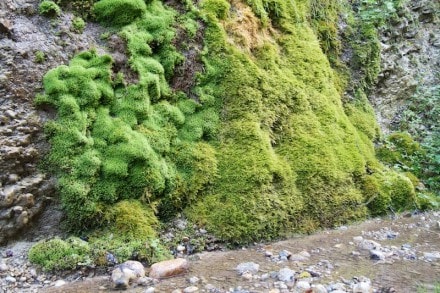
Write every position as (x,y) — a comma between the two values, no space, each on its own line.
(410,243)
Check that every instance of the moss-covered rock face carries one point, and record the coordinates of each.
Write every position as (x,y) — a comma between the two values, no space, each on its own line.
(266,148)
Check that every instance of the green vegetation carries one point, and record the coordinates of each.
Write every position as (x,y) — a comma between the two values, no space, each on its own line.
(265,147)
(119,12)
(40,57)
(78,25)
(49,8)
(57,254)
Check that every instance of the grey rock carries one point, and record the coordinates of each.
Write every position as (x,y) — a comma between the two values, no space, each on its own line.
(377,254)
(150,290)
(249,267)
(318,288)
(302,286)
(59,283)
(194,280)
(10,279)
(368,244)
(3,267)
(284,254)
(144,281)
(337,286)
(286,275)
(190,289)
(362,287)
(432,256)
(127,272)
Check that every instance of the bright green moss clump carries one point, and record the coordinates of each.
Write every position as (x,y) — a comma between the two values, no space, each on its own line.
(57,254)
(49,8)
(119,12)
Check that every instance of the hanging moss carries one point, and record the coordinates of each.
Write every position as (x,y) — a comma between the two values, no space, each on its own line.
(264,148)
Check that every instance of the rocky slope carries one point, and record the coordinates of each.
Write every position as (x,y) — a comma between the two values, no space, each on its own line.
(25,191)
(410,60)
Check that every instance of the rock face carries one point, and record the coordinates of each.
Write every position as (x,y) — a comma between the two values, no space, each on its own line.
(410,58)
(24,190)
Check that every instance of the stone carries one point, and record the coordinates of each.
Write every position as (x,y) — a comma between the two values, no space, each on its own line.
(318,288)
(3,267)
(362,287)
(209,287)
(284,254)
(337,286)
(194,280)
(190,289)
(127,272)
(169,268)
(249,267)
(286,275)
(177,291)
(59,283)
(247,276)
(144,281)
(10,279)
(268,253)
(366,244)
(377,254)
(431,256)
(150,290)
(302,286)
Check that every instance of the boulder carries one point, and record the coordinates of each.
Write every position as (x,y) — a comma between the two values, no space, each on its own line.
(127,272)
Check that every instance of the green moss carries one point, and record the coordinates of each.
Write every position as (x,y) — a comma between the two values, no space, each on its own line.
(49,8)
(389,191)
(78,25)
(119,12)
(218,8)
(40,57)
(57,254)
(264,148)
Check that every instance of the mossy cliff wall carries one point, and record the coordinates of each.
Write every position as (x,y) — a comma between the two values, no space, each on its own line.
(265,146)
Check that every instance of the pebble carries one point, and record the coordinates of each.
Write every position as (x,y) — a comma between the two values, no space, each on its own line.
(150,290)
(194,280)
(377,255)
(249,267)
(337,286)
(318,288)
(362,287)
(59,283)
(431,256)
(247,276)
(144,281)
(210,287)
(3,267)
(286,275)
(10,279)
(302,285)
(190,289)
